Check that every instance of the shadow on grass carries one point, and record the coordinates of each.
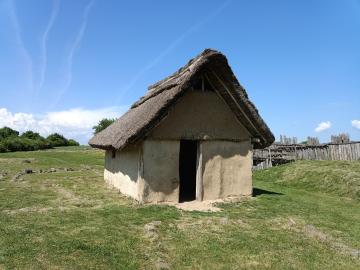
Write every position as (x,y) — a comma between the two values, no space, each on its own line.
(259,192)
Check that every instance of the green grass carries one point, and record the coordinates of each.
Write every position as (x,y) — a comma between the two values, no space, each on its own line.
(306,215)
(340,178)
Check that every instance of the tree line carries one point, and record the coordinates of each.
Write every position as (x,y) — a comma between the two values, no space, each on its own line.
(11,141)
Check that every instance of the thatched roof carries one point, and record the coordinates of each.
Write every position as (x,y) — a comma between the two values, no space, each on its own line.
(152,108)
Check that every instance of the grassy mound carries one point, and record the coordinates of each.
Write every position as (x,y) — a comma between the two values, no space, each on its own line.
(341,178)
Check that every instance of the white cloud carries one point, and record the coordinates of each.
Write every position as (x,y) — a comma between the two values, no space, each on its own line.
(323,126)
(355,123)
(74,123)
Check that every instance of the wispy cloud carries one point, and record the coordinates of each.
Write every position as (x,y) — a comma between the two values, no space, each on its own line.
(75,45)
(74,123)
(171,47)
(44,39)
(24,54)
(355,123)
(323,126)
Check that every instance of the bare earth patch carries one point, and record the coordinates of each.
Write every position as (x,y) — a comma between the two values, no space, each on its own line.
(70,198)
(216,223)
(156,246)
(27,210)
(205,206)
(311,231)
(17,160)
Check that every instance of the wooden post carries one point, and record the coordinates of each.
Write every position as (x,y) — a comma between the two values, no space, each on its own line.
(199,179)
(270,161)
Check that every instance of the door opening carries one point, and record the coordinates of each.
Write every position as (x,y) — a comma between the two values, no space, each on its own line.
(187,170)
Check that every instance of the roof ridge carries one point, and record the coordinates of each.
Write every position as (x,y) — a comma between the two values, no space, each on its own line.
(177,78)
(204,53)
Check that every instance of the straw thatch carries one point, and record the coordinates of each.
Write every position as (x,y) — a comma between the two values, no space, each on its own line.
(152,108)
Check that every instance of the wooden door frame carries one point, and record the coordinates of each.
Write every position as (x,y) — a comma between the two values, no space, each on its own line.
(199,177)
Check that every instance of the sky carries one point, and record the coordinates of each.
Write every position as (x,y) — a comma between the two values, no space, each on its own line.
(66,64)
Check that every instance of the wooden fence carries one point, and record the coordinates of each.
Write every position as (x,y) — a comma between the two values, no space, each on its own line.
(279,154)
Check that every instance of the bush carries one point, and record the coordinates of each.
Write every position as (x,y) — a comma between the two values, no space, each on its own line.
(31,135)
(43,144)
(2,148)
(7,132)
(57,139)
(72,142)
(13,144)
(10,141)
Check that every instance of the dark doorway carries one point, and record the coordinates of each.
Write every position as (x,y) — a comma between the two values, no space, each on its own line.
(187,170)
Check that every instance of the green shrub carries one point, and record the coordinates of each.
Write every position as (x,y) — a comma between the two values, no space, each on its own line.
(7,132)
(57,139)
(31,135)
(13,144)
(2,148)
(43,144)
(10,141)
(72,142)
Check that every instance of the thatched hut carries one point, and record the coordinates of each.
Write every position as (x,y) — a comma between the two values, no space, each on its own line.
(189,138)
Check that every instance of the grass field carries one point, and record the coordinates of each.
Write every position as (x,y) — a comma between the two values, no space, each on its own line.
(305,215)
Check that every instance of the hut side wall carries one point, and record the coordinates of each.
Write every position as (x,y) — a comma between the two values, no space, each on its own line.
(160,175)
(201,116)
(121,172)
(226,168)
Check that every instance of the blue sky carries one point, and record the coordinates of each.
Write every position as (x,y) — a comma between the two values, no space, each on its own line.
(65,64)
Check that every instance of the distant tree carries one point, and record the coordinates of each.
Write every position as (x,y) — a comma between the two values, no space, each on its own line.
(72,142)
(10,141)
(13,144)
(104,123)
(2,148)
(7,132)
(57,139)
(31,135)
